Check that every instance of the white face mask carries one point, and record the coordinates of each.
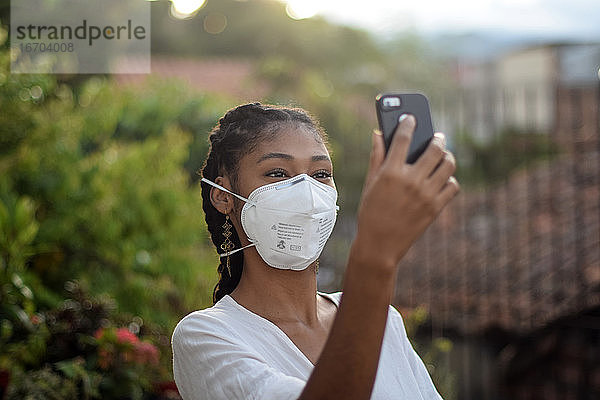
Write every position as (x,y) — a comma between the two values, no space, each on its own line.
(289,222)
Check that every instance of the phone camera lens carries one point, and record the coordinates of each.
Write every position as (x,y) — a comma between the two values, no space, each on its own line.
(391,102)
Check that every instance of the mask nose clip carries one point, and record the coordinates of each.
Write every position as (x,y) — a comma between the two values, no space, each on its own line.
(292,183)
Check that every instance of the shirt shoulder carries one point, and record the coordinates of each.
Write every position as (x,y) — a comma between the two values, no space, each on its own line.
(335,297)
(211,360)
(394,316)
(212,321)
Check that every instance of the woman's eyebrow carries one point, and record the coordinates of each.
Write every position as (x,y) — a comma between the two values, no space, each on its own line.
(321,157)
(274,155)
(267,156)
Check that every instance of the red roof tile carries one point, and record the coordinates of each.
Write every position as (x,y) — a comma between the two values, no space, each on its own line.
(515,256)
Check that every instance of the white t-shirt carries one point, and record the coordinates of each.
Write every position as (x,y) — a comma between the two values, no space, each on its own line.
(227,352)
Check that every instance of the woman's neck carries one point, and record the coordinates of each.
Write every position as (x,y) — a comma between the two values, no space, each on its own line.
(281,296)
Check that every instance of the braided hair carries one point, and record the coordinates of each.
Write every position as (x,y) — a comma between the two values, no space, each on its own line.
(237,134)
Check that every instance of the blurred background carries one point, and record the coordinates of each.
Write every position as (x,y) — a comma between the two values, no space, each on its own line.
(103,245)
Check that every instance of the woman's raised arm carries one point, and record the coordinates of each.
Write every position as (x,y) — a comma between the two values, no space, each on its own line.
(399,202)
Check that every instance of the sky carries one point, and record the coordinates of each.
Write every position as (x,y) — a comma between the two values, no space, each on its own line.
(565,19)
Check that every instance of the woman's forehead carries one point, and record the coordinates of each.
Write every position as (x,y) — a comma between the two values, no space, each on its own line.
(299,143)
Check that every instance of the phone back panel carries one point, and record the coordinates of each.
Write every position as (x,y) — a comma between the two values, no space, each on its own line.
(410,103)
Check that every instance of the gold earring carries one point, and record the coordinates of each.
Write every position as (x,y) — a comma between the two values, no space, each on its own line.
(227,245)
(317,268)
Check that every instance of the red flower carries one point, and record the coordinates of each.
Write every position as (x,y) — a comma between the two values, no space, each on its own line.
(125,336)
(168,390)
(105,358)
(99,333)
(146,352)
(122,345)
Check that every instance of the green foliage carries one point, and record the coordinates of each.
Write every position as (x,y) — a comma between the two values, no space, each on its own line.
(490,162)
(87,381)
(18,229)
(75,351)
(96,186)
(434,353)
(42,384)
(114,203)
(259,29)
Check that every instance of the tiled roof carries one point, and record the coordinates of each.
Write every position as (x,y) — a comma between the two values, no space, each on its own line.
(515,256)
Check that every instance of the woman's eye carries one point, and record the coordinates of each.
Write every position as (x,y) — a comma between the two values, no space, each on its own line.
(282,174)
(322,175)
(276,174)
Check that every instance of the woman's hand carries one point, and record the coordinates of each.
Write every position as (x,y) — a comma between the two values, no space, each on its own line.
(400,200)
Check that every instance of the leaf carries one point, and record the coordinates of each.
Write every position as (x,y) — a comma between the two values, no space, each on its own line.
(68,368)
(4,221)
(21,316)
(26,235)
(6,329)
(24,211)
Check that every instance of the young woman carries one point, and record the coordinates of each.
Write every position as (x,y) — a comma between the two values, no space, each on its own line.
(270,203)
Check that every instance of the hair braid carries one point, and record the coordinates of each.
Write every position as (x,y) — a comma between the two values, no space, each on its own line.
(237,133)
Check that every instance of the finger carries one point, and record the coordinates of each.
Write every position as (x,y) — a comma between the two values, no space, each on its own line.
(441,137)
(440,176)
(377,151)
(402,136)
(376,158)
(450,189)
(431,157)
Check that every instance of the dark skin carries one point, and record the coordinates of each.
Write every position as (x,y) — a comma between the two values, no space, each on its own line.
(398,202)
(289,300)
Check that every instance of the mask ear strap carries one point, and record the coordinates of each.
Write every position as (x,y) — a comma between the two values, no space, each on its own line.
(236,250)
(226,190)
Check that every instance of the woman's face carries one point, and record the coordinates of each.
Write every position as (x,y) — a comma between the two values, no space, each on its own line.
(293,151)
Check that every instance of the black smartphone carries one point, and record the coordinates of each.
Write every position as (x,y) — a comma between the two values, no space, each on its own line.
(390,106)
